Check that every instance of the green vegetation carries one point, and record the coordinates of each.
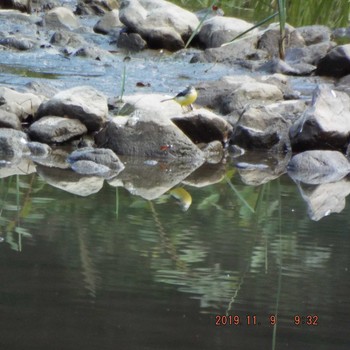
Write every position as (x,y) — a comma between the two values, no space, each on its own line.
(299,12)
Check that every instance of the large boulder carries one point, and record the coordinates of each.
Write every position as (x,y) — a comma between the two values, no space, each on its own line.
(161,23)
(83,103)
(61,17)
(317,167)
(315,34)
(147,135)
(219,30)
(325,124)
(262,129)
(56,129)
(336,63)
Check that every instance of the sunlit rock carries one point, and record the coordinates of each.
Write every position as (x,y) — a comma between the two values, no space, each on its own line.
(203,126)
(83,103)
(219,30)
(56,129)
(251,93)
(317,167)
(109,22)
(21,104)
(61,17)
(161,23)
(325,124)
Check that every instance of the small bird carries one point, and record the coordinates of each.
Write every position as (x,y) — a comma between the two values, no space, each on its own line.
(185,97)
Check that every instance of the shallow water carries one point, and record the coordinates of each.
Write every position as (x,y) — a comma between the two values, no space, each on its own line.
(113,270)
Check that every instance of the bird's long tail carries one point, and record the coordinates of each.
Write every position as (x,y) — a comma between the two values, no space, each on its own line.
(167,99)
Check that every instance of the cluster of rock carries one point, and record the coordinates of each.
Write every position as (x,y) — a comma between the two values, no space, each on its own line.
(238,114)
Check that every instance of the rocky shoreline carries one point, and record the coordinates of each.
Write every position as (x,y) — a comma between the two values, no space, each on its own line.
(71,135)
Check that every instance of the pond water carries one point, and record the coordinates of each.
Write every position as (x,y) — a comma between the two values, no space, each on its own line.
(243,268)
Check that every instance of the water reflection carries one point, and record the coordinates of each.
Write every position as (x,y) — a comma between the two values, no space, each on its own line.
(145,274)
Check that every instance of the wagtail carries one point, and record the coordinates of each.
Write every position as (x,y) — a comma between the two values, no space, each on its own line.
(185,98)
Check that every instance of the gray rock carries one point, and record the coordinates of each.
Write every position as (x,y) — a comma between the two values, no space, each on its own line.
(131,41)
(61,17)
(20,104)
(53,129)
(13,144)
(315,34)
(108,23)
(261,129)
(65,38)
(269,40)
(17,43)
(279,66)
(336,63)
(250,94)
(325,124)
(147,135)
(96,7)
(203,126)
(219,30)
(95,161)
(9,120)
(310,54)
(83,103)
(230,54)
(317,167)
(160,23)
